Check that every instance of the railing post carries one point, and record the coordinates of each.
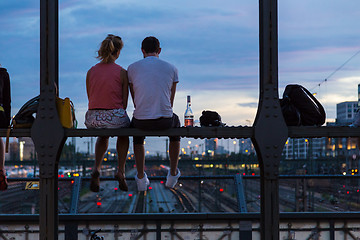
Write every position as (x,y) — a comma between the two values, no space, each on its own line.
(240,193)
(71,227)
(47,133)
(245,227)
(270,130)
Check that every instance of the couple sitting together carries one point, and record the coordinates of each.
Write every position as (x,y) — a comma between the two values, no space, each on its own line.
(152,83)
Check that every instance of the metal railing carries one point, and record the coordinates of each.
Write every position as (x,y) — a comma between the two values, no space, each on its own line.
(207,225)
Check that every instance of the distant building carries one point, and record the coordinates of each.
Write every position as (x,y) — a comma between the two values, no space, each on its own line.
(345,148)
(303,148)
(221,150)
(345,112)
(210,146)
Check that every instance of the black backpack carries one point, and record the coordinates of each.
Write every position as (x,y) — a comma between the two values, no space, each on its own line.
(25,116)
(210,119)
(300,107)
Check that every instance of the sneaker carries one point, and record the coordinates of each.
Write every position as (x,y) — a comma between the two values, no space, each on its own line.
(142,183)
(356,122)
(3,181)
(172,180)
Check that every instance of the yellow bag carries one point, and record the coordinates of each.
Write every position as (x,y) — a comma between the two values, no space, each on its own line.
(66,112)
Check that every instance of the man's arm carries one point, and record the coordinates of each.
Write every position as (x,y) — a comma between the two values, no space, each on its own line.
(173,90)
(132,93)
(125,88)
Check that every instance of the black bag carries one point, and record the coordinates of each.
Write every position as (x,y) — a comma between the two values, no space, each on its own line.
(210,119)
(300,107)
(290,112)
(25,116)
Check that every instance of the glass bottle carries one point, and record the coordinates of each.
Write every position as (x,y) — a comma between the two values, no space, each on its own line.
(189,116)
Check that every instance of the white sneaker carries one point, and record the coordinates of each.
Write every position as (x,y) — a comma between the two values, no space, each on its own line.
(142,183)
(172,180)
(356,122)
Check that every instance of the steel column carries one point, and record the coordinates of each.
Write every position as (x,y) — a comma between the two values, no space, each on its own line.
(332,229)
(240,193)
(71,228)
(270,130)
(47,133)
(75,195)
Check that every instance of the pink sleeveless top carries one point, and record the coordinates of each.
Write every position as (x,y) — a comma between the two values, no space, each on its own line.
(105,86)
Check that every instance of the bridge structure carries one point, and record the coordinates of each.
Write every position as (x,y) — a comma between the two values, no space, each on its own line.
(268,134)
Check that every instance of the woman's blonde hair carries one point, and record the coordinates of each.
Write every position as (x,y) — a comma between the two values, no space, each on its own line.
(109,48)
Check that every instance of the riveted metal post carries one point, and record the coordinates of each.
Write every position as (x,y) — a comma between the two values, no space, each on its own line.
(270,130)
(47,132)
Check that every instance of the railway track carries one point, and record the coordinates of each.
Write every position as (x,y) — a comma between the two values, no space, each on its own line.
(17,200)
(184,201)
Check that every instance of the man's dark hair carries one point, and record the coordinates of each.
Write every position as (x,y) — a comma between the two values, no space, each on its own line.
(150,44)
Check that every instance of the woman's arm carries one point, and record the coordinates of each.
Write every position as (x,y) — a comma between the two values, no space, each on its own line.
(87,83)
(125,88)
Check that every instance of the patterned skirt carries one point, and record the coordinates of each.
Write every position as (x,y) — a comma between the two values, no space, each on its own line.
(114,118)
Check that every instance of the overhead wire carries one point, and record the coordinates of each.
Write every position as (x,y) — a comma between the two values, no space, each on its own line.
(336,70)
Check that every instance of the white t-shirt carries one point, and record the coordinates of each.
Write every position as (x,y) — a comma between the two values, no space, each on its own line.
(152,80)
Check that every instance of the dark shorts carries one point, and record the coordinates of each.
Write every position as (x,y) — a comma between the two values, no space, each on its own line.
(155,124)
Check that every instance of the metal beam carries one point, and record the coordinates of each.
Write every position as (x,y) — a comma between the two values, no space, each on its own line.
(200,132)
(270,130)
(294,216)
(192,132)
(47,132)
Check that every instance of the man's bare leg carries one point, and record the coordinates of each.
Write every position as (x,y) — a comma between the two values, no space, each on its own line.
(139,151)
(174,151)
(122,147)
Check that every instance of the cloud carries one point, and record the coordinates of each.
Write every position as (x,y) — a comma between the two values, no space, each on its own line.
(249,105)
